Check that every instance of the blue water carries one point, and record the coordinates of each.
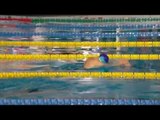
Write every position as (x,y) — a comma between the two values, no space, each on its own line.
(79,87)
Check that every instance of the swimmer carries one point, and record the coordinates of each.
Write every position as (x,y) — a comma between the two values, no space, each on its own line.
(15,65)
(103,60)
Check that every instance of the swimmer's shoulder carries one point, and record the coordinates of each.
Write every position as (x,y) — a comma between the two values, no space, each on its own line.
(113,62)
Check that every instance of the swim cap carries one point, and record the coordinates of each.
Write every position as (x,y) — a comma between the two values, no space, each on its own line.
(103,58)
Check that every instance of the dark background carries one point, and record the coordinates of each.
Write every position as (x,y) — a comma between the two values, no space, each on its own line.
(79,7)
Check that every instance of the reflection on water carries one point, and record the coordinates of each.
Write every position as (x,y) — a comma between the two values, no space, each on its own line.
(79,88)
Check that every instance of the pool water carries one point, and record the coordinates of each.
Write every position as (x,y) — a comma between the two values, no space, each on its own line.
(76,87)
(80,87)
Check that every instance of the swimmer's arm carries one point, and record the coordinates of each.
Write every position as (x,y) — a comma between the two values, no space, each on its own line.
(125,62)
(112,63)
(122,62)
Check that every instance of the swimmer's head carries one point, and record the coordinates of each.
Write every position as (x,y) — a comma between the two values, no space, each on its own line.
(104,58)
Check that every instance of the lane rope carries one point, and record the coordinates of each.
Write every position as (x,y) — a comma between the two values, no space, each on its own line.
(81,35)
(80,44)
(76,56)
(82,101)
(110,75)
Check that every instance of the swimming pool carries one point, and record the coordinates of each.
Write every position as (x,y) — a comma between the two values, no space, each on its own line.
(76,88)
